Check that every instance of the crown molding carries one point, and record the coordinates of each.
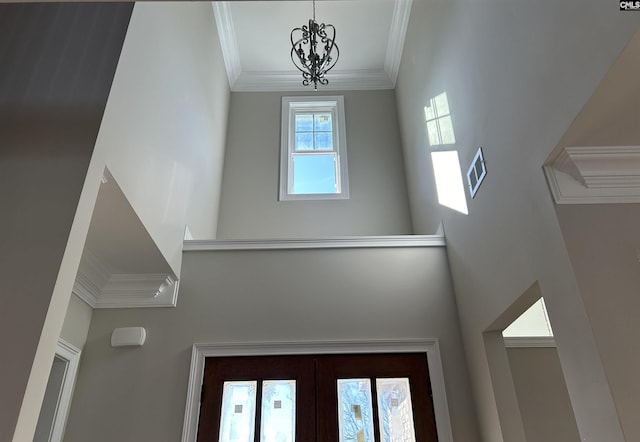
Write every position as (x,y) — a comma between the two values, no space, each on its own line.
(85,289)
(595,175)
(139,290)
(279,81)
(100,288)
(397,34)
(228,42)
(274,81)
(529,342)
(346,242)
(91,277)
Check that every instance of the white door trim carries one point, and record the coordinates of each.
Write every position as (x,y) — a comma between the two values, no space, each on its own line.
(71,354)
(429,346)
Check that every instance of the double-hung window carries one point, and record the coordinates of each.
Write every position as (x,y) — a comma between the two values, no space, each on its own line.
(313,163)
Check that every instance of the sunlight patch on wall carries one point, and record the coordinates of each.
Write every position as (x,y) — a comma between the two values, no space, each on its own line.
(449,184)
(437,116)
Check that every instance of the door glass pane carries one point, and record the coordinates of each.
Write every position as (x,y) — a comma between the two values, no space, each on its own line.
(355,412)
(278,418)
(237,420)
(314,174)
(395,411)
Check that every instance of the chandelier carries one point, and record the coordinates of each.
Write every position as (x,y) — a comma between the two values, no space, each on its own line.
(314,51)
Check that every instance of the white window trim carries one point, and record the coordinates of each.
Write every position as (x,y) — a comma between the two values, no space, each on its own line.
(71,354)
(290,105)
(429,346)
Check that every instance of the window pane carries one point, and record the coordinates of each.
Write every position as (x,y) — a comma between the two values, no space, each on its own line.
(314,174)
(304,122)
(304,141)
(322,122)
(355,412)
(324,141)
(395,410)
(238,414)
(278,411)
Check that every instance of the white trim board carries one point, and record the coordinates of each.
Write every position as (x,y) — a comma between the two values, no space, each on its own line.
(345,242)
(429,346)
(529,342)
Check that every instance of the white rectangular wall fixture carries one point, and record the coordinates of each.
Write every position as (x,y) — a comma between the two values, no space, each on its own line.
(128,337)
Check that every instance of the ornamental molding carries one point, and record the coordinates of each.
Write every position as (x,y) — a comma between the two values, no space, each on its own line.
(595,175)
(397,34)
(96,285)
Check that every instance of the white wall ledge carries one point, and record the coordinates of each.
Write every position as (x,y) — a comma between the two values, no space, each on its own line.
(344,242)
(529,341)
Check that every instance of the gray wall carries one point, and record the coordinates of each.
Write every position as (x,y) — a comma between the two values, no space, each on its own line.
(516,74)
(603,243)
(76,322)
(378,202)
(138,394)
(58,62)
(544,402)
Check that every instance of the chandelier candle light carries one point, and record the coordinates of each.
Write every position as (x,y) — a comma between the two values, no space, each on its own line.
(314,51)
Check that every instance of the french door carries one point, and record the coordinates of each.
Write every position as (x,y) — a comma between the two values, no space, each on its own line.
(323,398)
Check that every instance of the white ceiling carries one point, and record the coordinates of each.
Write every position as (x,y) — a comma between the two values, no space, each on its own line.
(255,38)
